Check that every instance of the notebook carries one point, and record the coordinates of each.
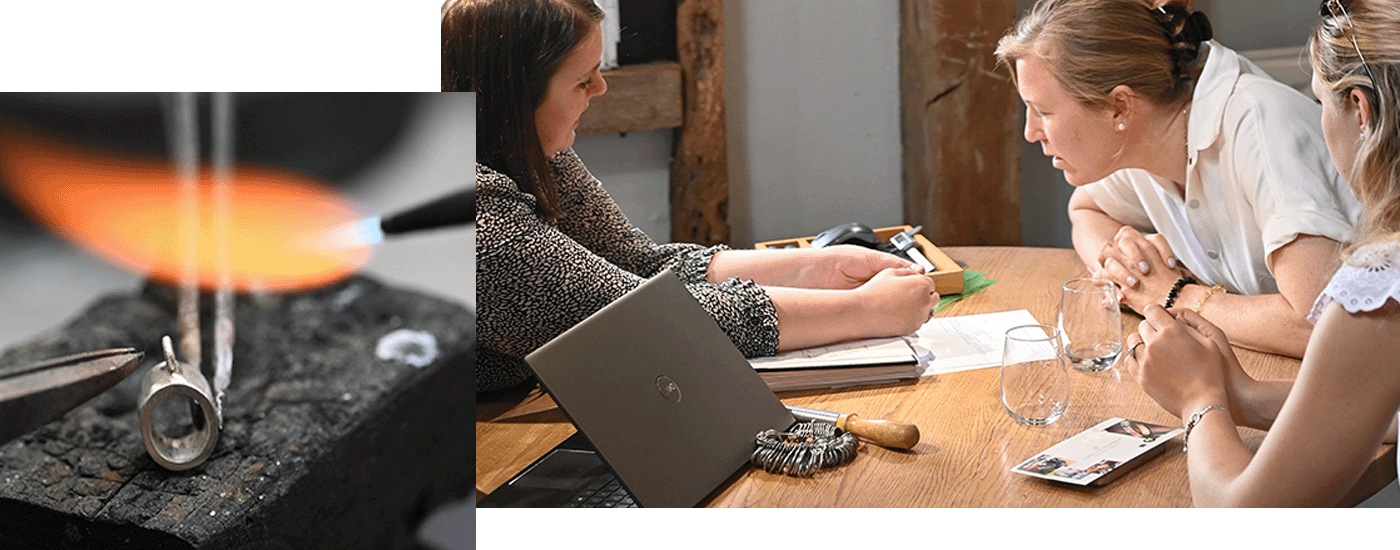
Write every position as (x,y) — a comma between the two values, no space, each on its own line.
(855,363)
(666,400)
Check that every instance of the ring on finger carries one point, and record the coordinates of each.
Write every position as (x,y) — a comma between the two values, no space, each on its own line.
(1132,352)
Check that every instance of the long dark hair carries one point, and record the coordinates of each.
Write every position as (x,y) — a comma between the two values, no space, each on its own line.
(506,51)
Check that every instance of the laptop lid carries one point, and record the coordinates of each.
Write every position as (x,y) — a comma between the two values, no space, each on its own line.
(669,403)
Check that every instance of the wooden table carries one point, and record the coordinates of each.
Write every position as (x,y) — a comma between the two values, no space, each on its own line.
(969,443)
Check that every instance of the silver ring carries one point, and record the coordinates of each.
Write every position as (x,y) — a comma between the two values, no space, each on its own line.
(1132,352)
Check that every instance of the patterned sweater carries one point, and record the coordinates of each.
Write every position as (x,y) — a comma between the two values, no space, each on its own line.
(535,279)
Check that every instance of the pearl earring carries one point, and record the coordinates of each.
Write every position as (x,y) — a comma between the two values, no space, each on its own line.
(1121,126)
(1362,137)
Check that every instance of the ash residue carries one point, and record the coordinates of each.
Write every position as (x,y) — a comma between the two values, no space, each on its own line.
(413,347)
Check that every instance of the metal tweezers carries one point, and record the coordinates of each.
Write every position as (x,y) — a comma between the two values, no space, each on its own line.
(34,394)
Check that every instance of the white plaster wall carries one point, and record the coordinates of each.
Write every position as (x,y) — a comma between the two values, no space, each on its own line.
(812,99)
(813,116)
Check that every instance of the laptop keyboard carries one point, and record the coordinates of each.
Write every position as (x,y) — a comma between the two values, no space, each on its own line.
(606,493)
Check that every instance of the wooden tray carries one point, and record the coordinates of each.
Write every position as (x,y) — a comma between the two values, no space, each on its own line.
(948,278)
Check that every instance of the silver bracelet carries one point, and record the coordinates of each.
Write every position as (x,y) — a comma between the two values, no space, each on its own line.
(1196,419)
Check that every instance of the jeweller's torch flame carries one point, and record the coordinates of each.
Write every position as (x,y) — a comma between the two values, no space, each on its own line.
(127,210)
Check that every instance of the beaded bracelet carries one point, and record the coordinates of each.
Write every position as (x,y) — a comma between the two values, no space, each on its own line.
(1209,293)
(1176,289)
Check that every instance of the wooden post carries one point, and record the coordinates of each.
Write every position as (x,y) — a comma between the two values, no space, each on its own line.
(640,97)
(699,173)
(958,122)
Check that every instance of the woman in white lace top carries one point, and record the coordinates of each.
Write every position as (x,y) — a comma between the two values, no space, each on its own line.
(1327,424)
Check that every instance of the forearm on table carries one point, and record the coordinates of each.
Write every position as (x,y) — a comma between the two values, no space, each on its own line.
(1267,322)
(1216,458)
(1303,461)
(814,317)
(787,267)
(1089,231)
(1258,403)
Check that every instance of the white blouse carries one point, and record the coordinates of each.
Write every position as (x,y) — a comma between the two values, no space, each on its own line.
(1258,175)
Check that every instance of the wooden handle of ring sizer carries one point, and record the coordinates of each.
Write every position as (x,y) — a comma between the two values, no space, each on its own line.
(886,433)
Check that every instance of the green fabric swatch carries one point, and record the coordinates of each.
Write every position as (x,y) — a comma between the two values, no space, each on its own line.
(973,281)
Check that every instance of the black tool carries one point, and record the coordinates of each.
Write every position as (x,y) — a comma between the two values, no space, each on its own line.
(455,209)
(32,395)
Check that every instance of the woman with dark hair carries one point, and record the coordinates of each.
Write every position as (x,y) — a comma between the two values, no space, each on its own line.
(1326,426)
(552,247)
(1200,182)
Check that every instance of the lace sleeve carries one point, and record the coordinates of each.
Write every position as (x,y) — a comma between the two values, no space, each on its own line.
(1368,278)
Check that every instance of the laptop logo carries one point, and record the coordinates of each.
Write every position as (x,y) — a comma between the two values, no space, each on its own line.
(668,389)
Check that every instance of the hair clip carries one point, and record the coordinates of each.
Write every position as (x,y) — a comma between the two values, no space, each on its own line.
(1188,28)
(1195,27)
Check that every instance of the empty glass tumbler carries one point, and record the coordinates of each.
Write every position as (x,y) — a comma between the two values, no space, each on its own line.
(1091,323)
(1034,375)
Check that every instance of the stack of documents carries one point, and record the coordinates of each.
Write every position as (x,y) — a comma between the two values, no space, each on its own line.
(958,343)
(860,362)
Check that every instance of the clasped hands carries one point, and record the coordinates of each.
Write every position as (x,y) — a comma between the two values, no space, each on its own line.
(1143,267)
(868,292)
(1181,360)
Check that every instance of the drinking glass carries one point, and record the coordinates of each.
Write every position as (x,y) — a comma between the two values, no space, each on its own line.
(1034,375)
(1091,323)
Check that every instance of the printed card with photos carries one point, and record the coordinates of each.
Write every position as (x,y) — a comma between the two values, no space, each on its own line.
(1099,454)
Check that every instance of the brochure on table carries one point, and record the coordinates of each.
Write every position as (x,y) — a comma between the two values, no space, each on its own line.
(1099,454)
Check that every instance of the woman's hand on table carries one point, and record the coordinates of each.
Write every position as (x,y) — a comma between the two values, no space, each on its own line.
(1183,362)
(842,267)
(849,266)
(898,301)
(1143,267)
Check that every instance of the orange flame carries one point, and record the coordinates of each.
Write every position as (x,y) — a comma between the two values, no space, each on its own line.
(127,210)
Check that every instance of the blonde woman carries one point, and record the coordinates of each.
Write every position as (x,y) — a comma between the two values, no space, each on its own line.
(1188,161)
(1325,426)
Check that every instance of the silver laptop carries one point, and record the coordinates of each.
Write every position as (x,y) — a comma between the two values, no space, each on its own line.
(667,401)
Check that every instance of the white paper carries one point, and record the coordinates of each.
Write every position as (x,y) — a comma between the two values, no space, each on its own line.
(944,344)
(968,342)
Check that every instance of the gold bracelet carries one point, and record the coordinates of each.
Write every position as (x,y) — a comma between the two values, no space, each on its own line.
(1213,290)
